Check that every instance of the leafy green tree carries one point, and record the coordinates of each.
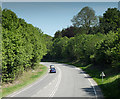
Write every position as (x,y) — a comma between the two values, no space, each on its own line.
(9,19)
(23,46)
(58,34)
(69,31)
(108,49)
(85,18)
(70,56)
(110,20)
(0,15)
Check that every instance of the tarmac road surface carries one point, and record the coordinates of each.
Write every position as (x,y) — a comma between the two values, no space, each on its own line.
(68,81)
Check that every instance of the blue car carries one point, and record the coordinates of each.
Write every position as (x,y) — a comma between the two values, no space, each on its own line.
(52,70)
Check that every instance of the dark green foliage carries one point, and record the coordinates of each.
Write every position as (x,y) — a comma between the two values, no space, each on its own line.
(85,18)
(111,89)
(58,34)
(93,47)
(68,32)
(9,20)
(108,50)
(0,15)
(110,20)
(72,31)
(58,48)
(98,48)
(23,46)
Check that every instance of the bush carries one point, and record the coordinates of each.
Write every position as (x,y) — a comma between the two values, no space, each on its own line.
(23,46)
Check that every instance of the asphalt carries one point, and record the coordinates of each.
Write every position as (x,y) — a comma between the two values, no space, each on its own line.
(68,81)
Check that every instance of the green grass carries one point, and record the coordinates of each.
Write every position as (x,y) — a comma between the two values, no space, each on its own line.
(111,83)
(0,93)
(26,79)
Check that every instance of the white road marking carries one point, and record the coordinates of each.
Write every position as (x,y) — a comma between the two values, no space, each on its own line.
(86,75)
(91,84)
(57,85)
(58,80)
(39,92)
(77,68)
(15,93)
(53,81)
(45,87)
(50,83)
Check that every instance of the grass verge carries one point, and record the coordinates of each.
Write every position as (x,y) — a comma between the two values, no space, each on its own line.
(0,93)
(26,79)
(110,85)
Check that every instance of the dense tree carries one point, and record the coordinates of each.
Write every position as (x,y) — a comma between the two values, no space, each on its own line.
(58,34)
(0,15)
(110,20)
(0,38)
(108,49)
(85,18)
(69,32)
(23,46)
(95,48)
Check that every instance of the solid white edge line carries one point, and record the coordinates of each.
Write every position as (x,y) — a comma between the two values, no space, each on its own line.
(56,87)
(91,84)
(86,75)
(15,93)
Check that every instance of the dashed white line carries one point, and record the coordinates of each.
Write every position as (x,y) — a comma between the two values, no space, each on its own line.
(57,85)
(50,83)
(45,87)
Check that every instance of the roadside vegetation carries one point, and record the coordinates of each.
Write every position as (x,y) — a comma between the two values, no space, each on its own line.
(92,43)
(23,47)
(110,84)
(25,79)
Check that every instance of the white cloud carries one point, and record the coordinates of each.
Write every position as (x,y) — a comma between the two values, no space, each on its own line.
(59,0)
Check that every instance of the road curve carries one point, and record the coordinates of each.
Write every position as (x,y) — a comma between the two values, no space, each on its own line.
(68,81)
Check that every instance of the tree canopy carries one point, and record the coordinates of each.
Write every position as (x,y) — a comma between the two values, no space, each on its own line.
(23,46)
(85,18)
(110,20)
(101,44)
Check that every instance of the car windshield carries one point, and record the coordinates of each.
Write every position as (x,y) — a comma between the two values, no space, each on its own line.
(52,68)
(51,65)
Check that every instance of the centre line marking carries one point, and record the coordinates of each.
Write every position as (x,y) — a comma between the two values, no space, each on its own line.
(57,85)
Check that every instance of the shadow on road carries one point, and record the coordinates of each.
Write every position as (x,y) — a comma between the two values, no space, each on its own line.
(97,93)
(89,91)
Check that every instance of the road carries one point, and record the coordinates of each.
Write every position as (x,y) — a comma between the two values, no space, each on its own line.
(68,81)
